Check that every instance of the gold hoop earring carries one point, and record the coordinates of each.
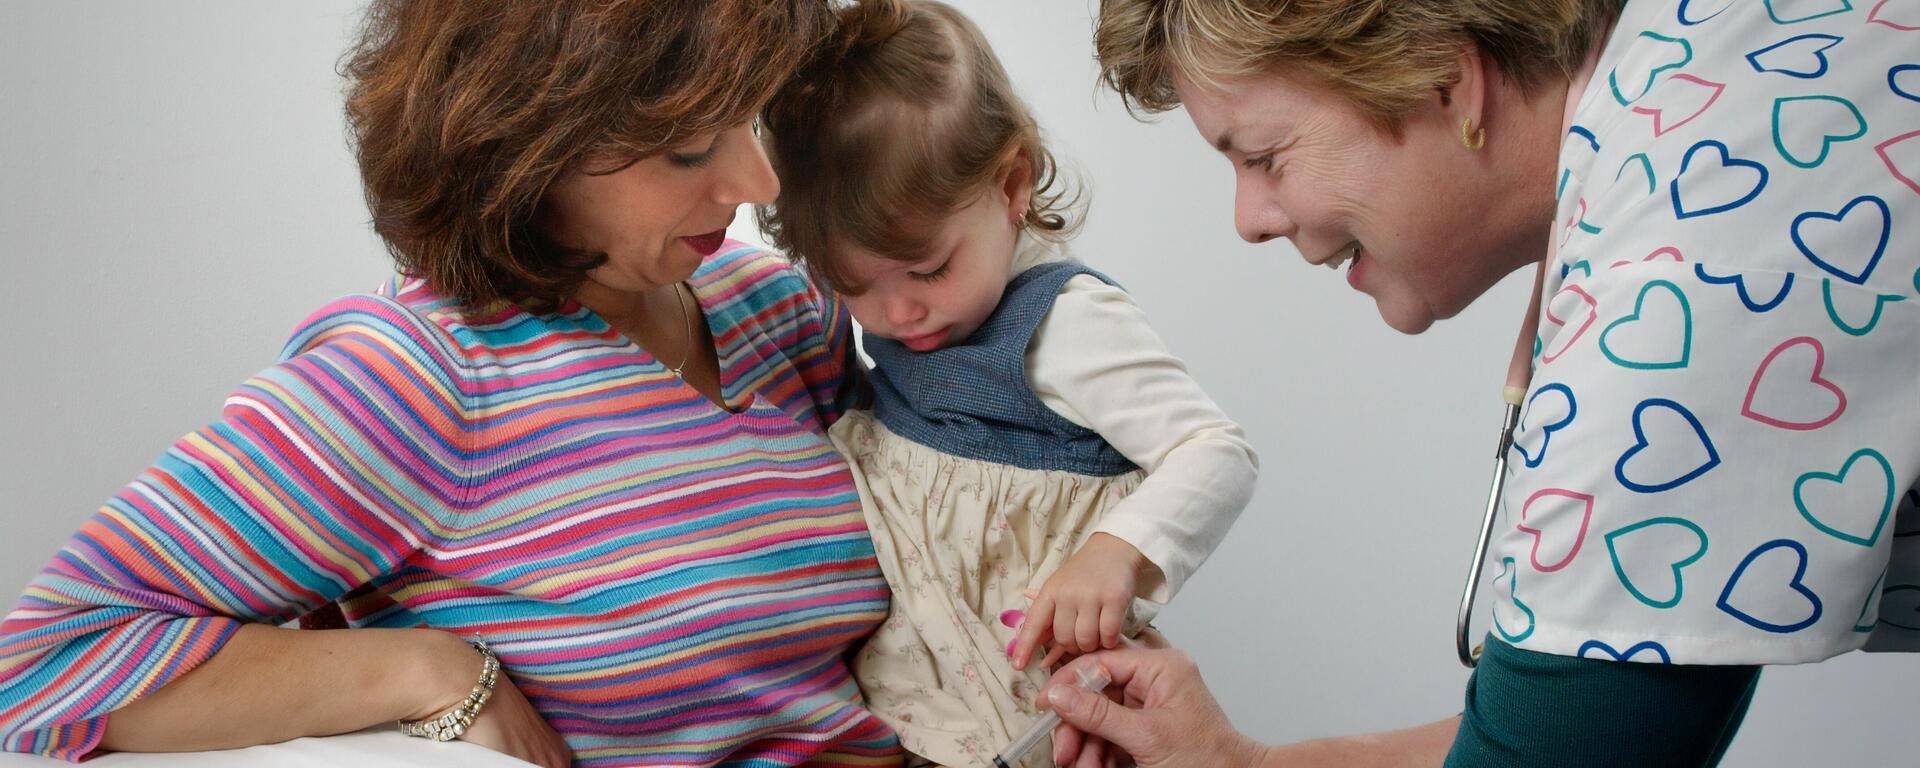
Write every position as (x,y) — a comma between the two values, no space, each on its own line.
(1471,138)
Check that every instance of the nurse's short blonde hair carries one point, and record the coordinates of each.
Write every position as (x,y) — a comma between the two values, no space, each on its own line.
(1383,56)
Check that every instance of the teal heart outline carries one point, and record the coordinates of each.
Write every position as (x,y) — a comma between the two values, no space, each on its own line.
(1845,5)
(1868,603)
(1512,573)
(1613,81)
(1686,342)
(1827,140)
(1645,163)
(1880,302)
(1678,586)
(1883,602)
(1886,509)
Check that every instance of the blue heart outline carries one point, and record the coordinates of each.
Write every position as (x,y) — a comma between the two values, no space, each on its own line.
(1686,340)
(1886,228)
(1512,573)
(1583,132)
(1640,444)
(1800,571)
(1845,5)
(1680,14)
(1827,140)
(1644,645)
(1573,408)
(1679,587)
(1880,302)
(1886,511)
(1726,160)
(1893,82)
(1818,53)
(1739,283)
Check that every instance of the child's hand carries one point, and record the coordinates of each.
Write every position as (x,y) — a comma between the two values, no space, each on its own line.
(1083,606)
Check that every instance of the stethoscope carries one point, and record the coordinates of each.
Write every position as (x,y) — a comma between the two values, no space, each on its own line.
(1519,374)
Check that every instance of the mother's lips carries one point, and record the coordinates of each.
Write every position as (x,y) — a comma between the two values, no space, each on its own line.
(706,244)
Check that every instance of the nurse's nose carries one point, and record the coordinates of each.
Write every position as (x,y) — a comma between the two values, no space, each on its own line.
(1257,214)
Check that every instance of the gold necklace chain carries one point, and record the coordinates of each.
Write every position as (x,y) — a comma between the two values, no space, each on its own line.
(686,355)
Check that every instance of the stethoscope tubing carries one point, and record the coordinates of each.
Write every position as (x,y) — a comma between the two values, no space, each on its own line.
(1519,375)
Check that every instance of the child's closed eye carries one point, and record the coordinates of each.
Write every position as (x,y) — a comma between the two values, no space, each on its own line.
(935,274)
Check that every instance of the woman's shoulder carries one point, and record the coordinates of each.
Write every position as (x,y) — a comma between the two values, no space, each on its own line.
(1743,139)
(749,288)
(400,309)
(753,277)
(405,320)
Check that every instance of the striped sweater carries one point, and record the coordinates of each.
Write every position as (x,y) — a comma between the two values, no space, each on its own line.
(669,582)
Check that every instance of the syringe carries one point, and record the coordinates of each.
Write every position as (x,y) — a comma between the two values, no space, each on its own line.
(1093,680)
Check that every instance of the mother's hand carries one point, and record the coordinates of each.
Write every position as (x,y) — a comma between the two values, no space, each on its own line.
(1164,715)
(507,723)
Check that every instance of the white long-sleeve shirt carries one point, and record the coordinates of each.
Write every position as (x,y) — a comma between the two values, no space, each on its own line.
(1097,362)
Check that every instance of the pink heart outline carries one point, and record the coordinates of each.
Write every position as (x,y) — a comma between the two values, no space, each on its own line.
(1665,250)
(1819,364)
(1658,114)
(1593,311)
(1873,17)
(1881,149)
(1586,515)
(1566,230)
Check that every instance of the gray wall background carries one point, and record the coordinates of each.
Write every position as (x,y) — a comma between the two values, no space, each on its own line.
(175,195)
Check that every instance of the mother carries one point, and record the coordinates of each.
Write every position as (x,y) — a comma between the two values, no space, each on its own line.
(582,427)
(1720,419)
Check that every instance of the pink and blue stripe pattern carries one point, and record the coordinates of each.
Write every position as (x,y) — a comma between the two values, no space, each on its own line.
(669,581)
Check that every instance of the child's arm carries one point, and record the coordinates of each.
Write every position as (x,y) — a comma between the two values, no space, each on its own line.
(1097,362)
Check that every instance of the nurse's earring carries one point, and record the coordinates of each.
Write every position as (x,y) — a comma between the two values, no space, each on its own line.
(1470,138)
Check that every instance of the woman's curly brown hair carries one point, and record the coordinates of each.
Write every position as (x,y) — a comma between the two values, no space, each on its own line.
(463,112)
(903,116)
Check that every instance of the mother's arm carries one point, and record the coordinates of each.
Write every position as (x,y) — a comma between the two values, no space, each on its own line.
(323,473)
(269,684)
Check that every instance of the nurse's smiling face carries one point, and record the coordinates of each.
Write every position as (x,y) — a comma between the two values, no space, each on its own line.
(1418,220)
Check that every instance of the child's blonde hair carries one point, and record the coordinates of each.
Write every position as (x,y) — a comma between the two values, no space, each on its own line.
(903,116)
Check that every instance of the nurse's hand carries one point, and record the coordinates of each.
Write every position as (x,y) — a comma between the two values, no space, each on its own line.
(1157,710)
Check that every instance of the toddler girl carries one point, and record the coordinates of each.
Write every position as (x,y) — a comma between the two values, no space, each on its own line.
(1030,436)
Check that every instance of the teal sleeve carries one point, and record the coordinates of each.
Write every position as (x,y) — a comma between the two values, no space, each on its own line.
(1526,708)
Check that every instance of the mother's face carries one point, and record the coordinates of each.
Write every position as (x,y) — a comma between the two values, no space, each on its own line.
(1398,211)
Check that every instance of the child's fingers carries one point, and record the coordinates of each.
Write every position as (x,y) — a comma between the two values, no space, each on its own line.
(1110,620)
(1065,629)
(1033,631)
(1054,655)
(1086,629)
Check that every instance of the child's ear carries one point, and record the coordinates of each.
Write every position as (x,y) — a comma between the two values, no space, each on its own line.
(1016,185)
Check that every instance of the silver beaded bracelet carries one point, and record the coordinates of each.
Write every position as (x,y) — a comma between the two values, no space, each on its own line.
(454,723)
